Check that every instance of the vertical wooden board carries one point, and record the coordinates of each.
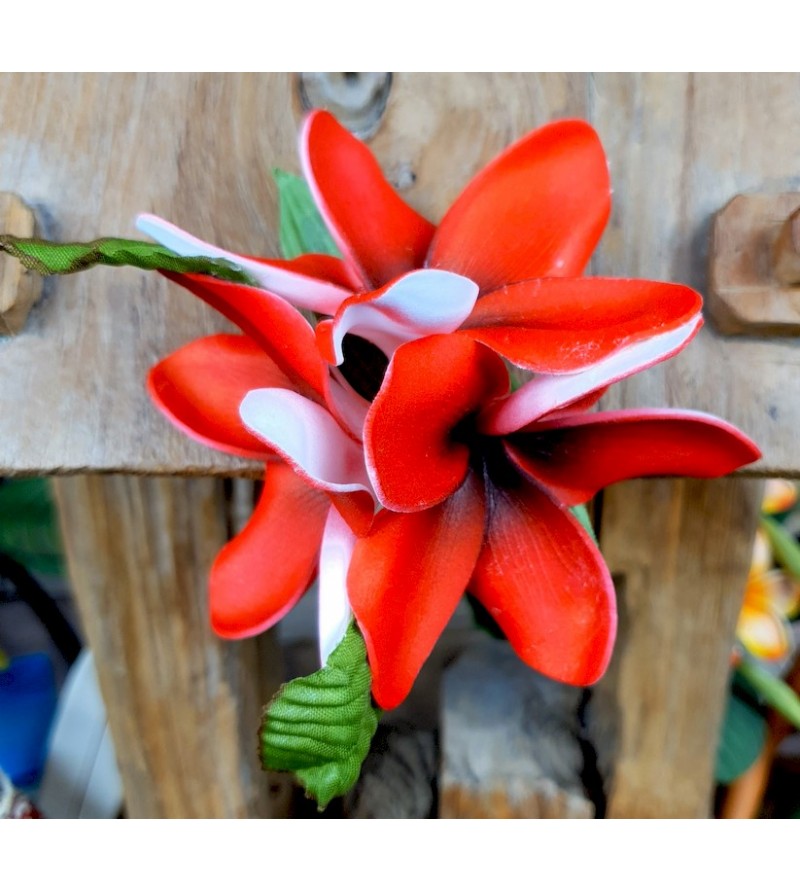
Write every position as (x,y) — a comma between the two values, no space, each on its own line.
(679,552)
(680,147)
(183,705)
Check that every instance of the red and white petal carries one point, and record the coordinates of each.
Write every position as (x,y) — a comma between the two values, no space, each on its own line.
(537,210)
(288,279)
(545,583)
(308,437)
(420,303)
(200,386)
(562,326)
(406,578)
(261,574)
(373,227)
(431,386)
(545,393)
(338,541)
(574,457)
(275,325)
(348,407)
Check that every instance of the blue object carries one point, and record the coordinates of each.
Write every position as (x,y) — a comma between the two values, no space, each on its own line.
(27,705)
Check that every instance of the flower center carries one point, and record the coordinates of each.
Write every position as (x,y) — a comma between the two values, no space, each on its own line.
(364,366)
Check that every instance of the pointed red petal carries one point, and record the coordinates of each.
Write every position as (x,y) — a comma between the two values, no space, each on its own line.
(537,210)
(405,580)
(200,387)
(373,227)
(262,573)
(413,458)
(275,325)
(546,584)
(322,267)
(557,326)
(576,456)
(545,393)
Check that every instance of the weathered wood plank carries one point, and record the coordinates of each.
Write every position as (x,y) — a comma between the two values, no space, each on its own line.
(680,147)
(90,151)
(19,289)
(680,552)
(183,705)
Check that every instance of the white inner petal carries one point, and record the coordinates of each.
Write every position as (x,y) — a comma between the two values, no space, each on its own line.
(338,542)
(421,303)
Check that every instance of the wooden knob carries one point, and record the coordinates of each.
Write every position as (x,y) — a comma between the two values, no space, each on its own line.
(357,98)
(19,288)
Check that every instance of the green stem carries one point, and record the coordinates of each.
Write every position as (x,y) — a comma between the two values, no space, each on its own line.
(773,691)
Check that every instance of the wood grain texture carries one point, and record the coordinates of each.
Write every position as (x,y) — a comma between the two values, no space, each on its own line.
(680,147)
(91,151)
(679,552)
(183,705)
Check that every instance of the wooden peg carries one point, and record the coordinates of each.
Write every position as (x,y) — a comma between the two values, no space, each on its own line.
(755,266)
(19,288)
(786,253)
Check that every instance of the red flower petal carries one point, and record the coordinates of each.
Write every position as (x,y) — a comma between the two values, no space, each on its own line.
(373,227)
(276,326)
(405,580)
(200,387)
(430,386)
(547,586)
(546,393)
(561,326)
(302,281)
(537,210)
(261,574)
(576,456)
(419,303)
(322,267)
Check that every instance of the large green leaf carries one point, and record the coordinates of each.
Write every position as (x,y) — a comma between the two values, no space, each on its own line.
(744,731)
(320,727)
(784,545)
(302,229)
(28,526)
(55,259)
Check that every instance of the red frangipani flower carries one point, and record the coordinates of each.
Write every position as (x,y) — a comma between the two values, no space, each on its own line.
(474,481)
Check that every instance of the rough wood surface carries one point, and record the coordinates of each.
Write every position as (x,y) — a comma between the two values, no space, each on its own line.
(19,289)
(753,264)
(89,152)
(509,740)
(183,705)
(680,552)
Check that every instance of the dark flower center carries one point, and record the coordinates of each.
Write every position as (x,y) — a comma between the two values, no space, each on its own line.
(364,366)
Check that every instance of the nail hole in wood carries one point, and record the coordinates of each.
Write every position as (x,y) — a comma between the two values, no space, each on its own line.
(357,98)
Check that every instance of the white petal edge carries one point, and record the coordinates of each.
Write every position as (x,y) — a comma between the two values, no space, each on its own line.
(299,290)
(349,407)
(308,437)
(420,303)
(338,542)
(545,393)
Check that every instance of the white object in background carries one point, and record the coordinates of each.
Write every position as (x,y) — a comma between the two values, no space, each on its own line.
(81,779)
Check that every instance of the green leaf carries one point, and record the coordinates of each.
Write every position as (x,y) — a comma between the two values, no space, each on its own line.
(302,229)
(773,691)
(54,259)
(744,731)
(28,526)
(320,727)
(784,546)
(582,513)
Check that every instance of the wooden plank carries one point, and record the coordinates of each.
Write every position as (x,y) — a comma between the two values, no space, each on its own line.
(680,147)
(183,705)
(90,151)
(19,289)
(679,552)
